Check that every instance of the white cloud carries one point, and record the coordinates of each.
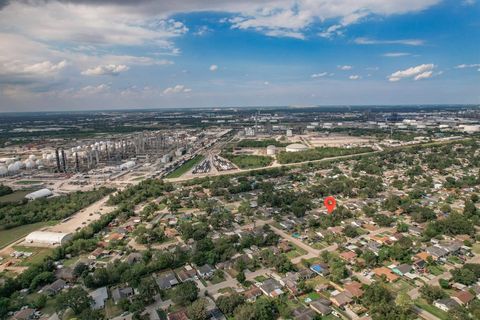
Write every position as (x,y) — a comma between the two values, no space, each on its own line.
(44,68)
(396,54)
(423,75)
(464,66)
(419,72)
(109,70)
(93,90)
(266,83)
(345,67)
(332,31)
(179,88)
(407,42)
(213,67)
(354,77)
(202,30)
(319,75)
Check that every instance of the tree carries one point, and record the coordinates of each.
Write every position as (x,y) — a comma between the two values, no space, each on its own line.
(185,293)
(245,312)
(198,310)
(444,283)
(76,298)
(228,303)
(432,293)
(241,277)
(404,301)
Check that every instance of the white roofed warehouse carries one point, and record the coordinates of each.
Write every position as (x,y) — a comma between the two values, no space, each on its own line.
(48,238)
(42,193)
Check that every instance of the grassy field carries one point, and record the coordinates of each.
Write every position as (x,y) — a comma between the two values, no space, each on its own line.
(12,235)
(28,182)
(476,248)
(433,310)
(16,196)
(185,167)
(38,255)
(247,161)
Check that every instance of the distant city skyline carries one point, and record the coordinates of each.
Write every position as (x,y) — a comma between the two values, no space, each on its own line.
(81,55)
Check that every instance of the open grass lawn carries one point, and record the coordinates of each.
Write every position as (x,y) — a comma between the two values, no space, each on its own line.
(435,270)
(260,278)
(38,255)
(247,161)
(476,248)
(319,245)
(401,286)
(432,309)
(28,182)
(218,276)
(111,309)
(184,168)
(15,196)
(14,234)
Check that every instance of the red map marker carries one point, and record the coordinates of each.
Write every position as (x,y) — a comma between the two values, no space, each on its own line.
(330,203)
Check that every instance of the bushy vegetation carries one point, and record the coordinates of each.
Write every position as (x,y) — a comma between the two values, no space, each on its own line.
(4,190)
(56,208)
(250,143)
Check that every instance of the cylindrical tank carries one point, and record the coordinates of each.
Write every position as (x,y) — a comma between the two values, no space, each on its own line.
(271,150)
(3,170)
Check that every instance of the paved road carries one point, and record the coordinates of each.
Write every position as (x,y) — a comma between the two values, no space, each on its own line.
(260,272)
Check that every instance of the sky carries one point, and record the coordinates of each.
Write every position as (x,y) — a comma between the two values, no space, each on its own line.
(135,54)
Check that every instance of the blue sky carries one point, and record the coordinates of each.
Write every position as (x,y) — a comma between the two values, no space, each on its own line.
(79,55)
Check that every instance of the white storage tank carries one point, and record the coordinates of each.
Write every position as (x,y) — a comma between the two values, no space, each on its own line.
(271,150)
(296,147)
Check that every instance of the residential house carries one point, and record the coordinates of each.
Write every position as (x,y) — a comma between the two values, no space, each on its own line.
(121,293)
(402,269)
(96,254)
(99,296)
(178,315)
(55,287)
(134,257)
(271,288)
(206,271)
(348,256)
(302,313)
(340,299)
(252,294)
(384,271)
(25,314)
(186,273)
(354,289)
(436,252)
(166,280)
(65,274)
(320,308)
(463,297)
(446,304)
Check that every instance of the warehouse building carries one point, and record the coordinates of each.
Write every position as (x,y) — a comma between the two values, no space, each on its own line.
(42,193)
(48,237)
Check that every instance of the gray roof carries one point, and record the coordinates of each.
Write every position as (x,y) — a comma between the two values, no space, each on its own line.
(99,296)
(205,269)
(404,268)
(120,293)
(448,302)
(166,280)
(320,307)
(270,285)
(436,251)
